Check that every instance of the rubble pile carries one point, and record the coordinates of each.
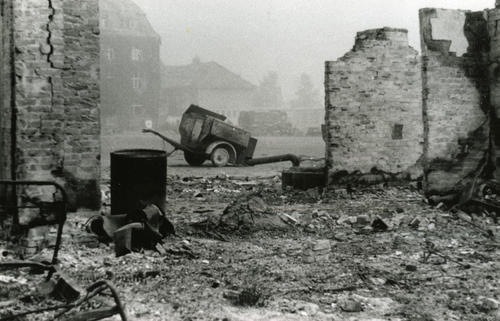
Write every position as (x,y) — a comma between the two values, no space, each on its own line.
(250,212)
(362,254)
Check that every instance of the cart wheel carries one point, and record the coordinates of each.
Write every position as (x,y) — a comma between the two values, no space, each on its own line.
(220,156)
(194,159)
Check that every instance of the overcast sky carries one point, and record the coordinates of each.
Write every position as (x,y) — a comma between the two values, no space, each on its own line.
(252,37)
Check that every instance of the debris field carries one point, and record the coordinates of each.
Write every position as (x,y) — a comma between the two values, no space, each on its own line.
(245,249)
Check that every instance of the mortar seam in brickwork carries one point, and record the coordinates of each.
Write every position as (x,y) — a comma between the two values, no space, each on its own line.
(49,36)
(51,84)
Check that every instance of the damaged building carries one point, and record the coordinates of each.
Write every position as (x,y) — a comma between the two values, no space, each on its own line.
(373,104)
(240,243)
(49,107)
(434,115)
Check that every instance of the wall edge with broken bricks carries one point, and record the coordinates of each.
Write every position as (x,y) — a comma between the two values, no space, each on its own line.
(54,102)
(458,144)
(57,127)
(372,99)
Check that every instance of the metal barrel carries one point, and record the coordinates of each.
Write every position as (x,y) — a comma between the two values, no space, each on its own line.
(138,178)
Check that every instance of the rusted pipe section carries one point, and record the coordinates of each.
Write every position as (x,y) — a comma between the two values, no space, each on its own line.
(274,159)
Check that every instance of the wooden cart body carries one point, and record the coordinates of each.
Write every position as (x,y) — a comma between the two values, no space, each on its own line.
(203,131)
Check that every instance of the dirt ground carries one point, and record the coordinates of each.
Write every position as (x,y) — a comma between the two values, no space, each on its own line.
(379,253)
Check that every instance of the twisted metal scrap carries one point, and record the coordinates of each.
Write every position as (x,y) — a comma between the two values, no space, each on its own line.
(92,291)
(431,249)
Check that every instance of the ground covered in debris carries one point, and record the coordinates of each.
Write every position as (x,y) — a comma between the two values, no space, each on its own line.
(246,250)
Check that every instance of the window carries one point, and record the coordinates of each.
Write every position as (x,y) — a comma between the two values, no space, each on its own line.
(137,82)
(137,54)
(138,110)
(109,53)
(397,131)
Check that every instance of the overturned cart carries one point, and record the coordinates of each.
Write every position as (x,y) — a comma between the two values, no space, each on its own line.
(205,135)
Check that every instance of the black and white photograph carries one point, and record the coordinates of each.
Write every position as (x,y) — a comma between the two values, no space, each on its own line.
(236,160)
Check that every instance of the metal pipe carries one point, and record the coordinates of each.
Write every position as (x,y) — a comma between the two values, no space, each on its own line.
(274,159)
(22,264)
(172,142)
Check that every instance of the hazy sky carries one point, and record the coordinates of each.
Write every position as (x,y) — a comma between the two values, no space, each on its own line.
(252,37)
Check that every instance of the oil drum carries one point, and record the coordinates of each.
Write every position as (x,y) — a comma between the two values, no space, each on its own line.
(138,178)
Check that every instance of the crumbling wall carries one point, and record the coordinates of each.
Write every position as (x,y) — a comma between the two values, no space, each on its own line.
(57,96)
(6,51)
(81,167)
(49,106)
(39,108)
(373,105)
(494,81)
(455,101)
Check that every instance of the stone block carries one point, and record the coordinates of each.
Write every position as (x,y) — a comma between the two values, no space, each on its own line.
(317,251)
(321,245)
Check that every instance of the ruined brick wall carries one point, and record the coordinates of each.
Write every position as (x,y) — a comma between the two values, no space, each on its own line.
(6,51)
(57,95)
(81,165)
(373,105)
(39,104)
(455,97)
(494,80)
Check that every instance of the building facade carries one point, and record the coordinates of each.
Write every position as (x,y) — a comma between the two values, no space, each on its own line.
(130,67)
(206,84)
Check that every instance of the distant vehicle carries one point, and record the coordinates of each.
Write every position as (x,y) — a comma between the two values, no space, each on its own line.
(206,135)
(314,131)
